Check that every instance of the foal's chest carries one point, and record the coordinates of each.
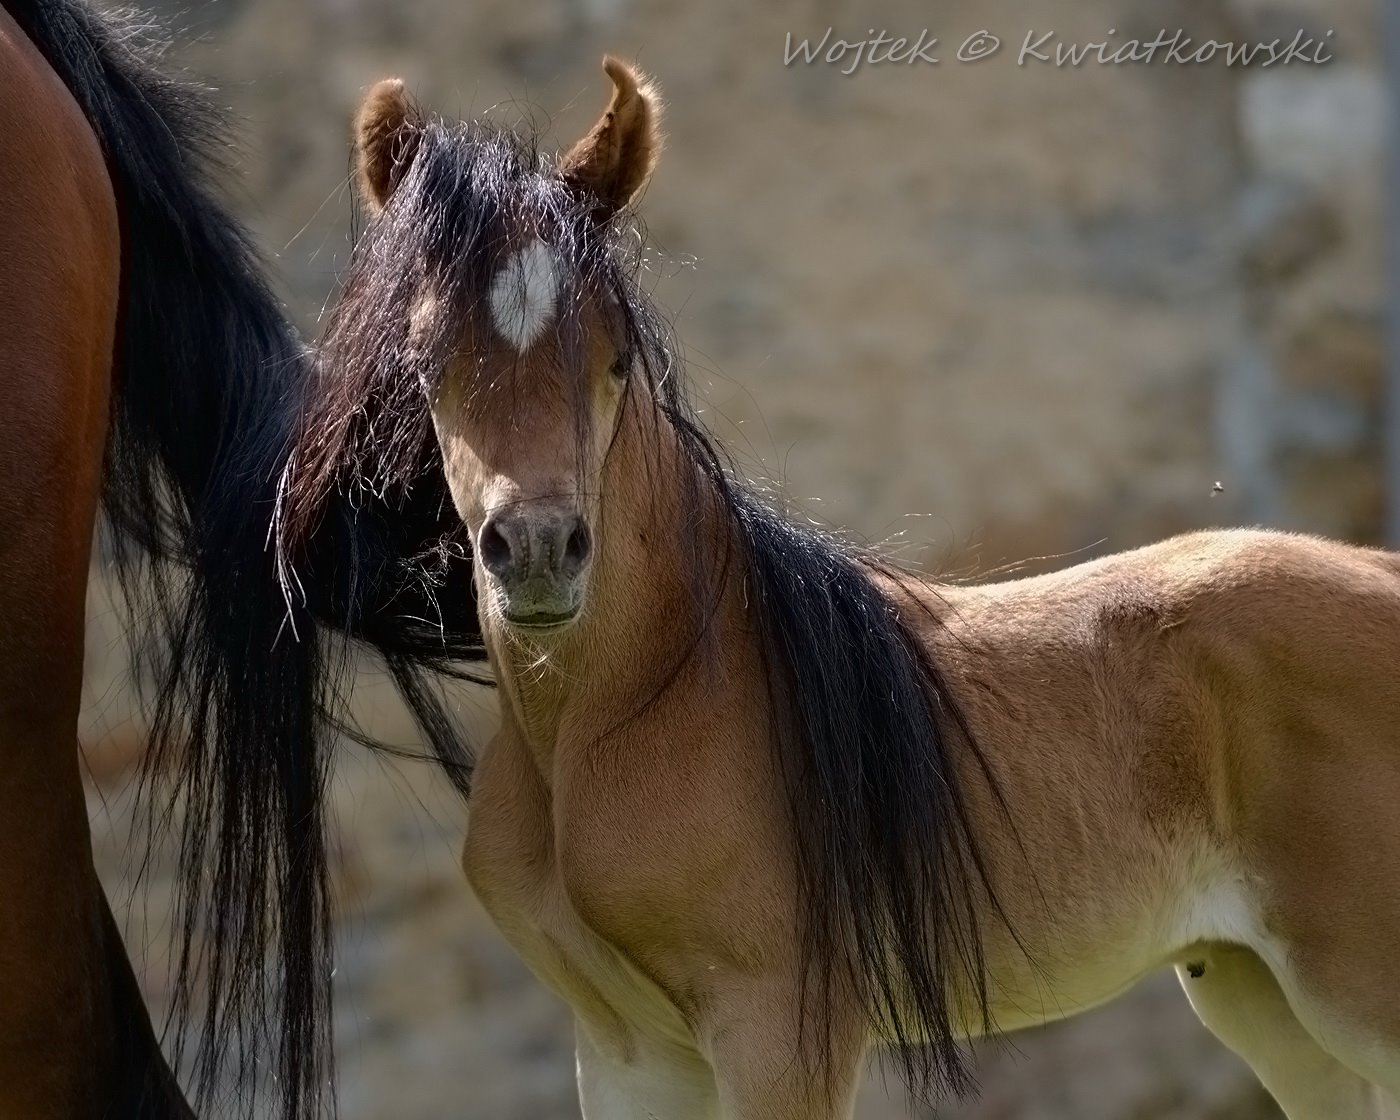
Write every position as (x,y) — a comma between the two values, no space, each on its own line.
(512,862)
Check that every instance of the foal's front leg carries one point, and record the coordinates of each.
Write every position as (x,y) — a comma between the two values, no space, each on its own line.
(642,1081)
(767,1068)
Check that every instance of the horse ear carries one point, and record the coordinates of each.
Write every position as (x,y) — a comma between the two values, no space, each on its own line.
(613,162)
(387,129)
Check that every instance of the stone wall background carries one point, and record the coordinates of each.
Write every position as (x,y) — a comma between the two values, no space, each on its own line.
(985,313)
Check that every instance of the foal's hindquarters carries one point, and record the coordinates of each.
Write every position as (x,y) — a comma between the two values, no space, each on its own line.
(1199,752)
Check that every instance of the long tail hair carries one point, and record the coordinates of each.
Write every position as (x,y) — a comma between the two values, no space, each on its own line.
(244,687)
(144,1086)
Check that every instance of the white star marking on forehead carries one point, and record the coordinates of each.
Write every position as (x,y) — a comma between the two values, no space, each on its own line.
(524,293)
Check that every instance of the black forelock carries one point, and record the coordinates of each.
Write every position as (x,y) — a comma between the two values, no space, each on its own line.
(472,193)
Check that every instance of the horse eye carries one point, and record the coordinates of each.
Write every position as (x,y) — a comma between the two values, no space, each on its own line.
(622,365)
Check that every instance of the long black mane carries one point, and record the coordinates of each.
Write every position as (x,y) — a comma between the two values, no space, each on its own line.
(891,874)
(245,687)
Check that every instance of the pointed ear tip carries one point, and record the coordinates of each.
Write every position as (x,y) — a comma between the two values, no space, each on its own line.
(386,99)
(386,87)
(617,70)
(628,79)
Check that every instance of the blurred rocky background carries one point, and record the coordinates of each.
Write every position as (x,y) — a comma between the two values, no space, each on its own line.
(983,312)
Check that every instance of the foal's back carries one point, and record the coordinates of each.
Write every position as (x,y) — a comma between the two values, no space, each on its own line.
(1236,675)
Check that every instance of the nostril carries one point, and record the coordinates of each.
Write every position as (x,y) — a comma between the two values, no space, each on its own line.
(577,548)
(494,550)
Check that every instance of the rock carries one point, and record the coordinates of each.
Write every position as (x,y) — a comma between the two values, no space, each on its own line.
(1314,125)
(1283,227)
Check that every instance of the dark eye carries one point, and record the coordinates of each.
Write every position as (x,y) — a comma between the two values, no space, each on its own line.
(622,364)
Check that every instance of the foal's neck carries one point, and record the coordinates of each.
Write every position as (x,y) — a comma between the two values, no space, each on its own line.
(645,609)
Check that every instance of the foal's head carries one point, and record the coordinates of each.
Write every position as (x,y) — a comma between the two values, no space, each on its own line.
(499,278)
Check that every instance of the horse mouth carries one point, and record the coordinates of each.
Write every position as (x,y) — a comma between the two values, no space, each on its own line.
(541,623)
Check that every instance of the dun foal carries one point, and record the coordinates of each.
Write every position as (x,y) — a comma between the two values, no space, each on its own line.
(760,801)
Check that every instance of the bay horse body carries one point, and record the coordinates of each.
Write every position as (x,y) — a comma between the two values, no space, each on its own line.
(760,800)
(74,1035)
(146,368)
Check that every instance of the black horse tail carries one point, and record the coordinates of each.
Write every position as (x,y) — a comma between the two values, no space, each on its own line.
(209,375)
(145,1087)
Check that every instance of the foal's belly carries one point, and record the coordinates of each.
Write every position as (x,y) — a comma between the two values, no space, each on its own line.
(1166,915)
